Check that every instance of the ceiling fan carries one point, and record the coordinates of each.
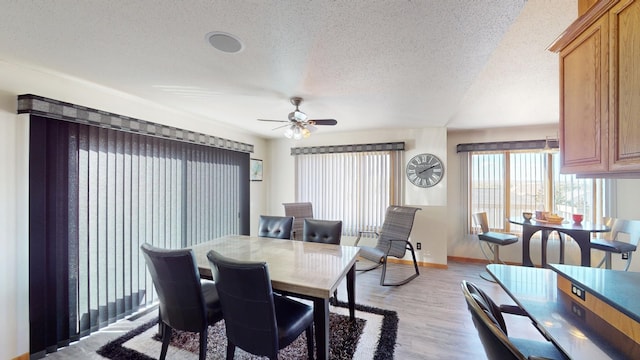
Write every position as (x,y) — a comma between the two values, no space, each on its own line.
(299,125)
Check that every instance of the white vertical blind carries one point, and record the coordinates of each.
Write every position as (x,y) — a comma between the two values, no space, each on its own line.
(355,187)
(487,186)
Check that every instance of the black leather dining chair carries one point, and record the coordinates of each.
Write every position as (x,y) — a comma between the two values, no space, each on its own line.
(186,302)
(322,231)
(257,320)
(278,227)
(492,330)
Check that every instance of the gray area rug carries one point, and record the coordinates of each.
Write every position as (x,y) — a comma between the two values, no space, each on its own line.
(372,336)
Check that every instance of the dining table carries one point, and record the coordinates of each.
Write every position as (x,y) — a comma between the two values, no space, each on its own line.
(306,270)
(580,232)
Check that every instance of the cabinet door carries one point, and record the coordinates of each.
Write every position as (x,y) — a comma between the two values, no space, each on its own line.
(584,101)
(624,106)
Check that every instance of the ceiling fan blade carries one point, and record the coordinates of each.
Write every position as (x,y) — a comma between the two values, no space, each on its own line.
(323,121)
(280,127)
(273,120)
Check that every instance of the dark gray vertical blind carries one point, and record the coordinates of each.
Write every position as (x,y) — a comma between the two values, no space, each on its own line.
(96,195)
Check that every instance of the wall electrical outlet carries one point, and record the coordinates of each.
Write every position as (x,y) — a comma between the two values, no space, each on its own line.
(578,291)
(625,256)
(419,246)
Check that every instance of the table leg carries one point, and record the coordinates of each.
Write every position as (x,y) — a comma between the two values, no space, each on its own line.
(583,238)
(351,292)
(561,236)
(321,323)
(527,233)
(544,239)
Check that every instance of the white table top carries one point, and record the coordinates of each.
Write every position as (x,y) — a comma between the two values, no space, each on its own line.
(305,268)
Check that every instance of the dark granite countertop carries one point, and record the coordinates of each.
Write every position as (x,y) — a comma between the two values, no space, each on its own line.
(620,289)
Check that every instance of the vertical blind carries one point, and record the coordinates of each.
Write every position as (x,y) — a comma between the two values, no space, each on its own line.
(355,187)
(96,195)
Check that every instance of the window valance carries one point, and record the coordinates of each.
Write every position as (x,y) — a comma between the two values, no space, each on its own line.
(508,145)
(50,108)
(333,149)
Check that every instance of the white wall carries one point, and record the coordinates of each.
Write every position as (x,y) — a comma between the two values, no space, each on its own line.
(16,80)
(626,206)
(430,225)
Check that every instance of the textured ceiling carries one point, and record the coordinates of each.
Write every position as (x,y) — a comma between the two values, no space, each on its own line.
(373,64)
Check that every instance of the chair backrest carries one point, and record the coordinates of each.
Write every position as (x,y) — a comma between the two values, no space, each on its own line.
(299,211)
(489,322)
(397,225)
(177,282)
(278,227)
(480,219)
(322,231)
(631,229)
(246,298)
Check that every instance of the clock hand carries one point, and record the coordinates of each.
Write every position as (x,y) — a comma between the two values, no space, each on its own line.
(429,168)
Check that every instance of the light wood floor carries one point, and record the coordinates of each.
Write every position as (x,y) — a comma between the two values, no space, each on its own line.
(434,322)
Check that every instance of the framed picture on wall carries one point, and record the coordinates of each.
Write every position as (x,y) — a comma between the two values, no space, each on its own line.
(255,169)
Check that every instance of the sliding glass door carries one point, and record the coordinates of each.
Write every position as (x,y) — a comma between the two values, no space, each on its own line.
(96,195)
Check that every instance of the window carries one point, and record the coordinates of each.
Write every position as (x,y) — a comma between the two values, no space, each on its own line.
(96,195)
(507,183)
(356,187)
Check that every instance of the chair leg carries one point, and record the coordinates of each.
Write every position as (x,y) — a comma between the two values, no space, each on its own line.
(309,334)
(203,343)
(231,350)
(628,261)
(415,267)
(496,254)
(607,260)
(334,299)
(484,252)
(495,249)
(166,337)
(384,271)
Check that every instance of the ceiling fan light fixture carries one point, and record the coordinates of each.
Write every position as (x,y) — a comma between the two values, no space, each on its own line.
(288,133)
(297,133)
(299,126)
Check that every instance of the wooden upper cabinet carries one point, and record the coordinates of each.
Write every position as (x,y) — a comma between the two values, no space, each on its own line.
(600,91)
(584,6)
(624,113)
(584,101)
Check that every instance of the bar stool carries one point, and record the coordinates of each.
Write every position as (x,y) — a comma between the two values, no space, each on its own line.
(493,239)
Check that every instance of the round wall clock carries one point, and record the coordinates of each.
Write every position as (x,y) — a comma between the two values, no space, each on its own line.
(425,170)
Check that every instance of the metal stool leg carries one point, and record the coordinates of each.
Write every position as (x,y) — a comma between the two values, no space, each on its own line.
(495,249)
